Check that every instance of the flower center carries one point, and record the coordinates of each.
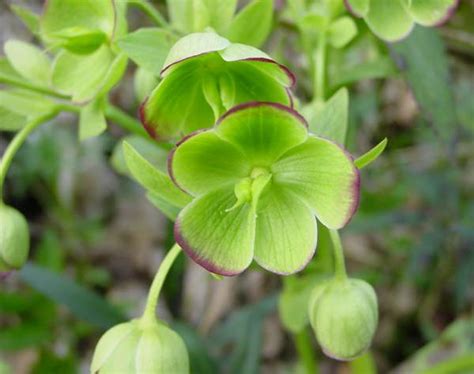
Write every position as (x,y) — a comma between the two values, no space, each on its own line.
(248,189)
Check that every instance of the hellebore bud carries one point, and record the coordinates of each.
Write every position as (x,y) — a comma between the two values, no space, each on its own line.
(138,347)
(343,314)
(14,239)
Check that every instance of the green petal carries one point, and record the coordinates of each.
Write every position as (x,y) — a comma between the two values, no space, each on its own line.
(389,20)
(324,176)
(220,241)
(178,105)
(286,233)
(203,162)
(431,12)
(262,131)
(193,45)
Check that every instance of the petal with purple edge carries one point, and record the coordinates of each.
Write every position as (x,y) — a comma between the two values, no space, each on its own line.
(324,176)
(286,232)
(389,20)
(203,162)
(431,12)
(218,239)
(263,131)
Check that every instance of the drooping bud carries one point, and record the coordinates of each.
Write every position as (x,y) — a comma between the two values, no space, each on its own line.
(344,315)
(138,347)
(14,239)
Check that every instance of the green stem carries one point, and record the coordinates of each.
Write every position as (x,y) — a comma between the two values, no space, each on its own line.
(339,264)
(16,143)
(458,364)
(125,121)
(306,352)
(320,68)
(151,11)
(149,315)
(33,87)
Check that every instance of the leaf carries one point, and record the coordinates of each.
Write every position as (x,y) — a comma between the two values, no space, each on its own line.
(341,32)
(11,121)
(83,303)
(147,47)
(61,17)
(8,74)
(331,119)
(217,14)
(80,40)
(144,83)
(153,179)
(29,61)
(370,156)
(29,18)
(25,335)
(253,24)
(92,120)
(25,103)
(181,14)
(423,60)
(81,76)
(169,210)
(242,331)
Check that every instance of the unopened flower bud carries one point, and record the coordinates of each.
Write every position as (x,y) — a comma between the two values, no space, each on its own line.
(14,239)
(138,347)
(344,315)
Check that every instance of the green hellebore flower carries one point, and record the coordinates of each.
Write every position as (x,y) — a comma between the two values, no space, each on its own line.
(14,239)
(343,314)
(258,180)
(135,347)
(203,76)
(393,20)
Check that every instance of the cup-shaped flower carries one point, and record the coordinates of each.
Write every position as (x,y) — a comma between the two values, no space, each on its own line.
(136,347)
(344,315)
(14,239)
(203,76)
(258,179)
(392,20)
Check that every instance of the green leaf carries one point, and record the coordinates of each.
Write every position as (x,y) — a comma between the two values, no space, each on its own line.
(341,32)
(204,162)
(153,179)
(81,76)
(253,24)
(7,73)
(389,20)
(147,47)
(324,177)
(25,103)
(218,239)
(29,61)
(330,120)
(60,17)
(30,19)
(284,246)
(431,12)
(114,74)
(169,210)
(371,156)
(92,120)
(218,16)
(262,131)
(11,121)
(181,14)
(144,83)
(430,84)
(81,302)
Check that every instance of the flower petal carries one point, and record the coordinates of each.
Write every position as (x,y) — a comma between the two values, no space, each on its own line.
(218,239)
(432,12)
(178,105)
(324,176)
(286,233)
(262,131)
(389,20)
(203,162)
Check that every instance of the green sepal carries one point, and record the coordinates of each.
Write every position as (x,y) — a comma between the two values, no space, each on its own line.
(359,7)
(389,20)
(324,177)
(153,179)
(370,156)
(431,12)
(79,40)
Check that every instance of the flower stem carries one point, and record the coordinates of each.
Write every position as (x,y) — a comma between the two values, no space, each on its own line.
(149,315)
(306,352)
(125,121)
(17,142)
(339,264)
(33,87)
(320,68)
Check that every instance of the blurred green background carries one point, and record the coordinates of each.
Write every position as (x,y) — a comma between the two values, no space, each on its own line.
(412,239)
